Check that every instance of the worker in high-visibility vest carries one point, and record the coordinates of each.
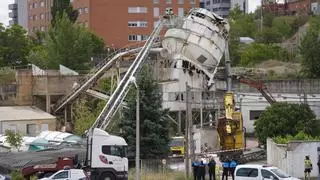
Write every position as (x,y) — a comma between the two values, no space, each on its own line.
(307,167)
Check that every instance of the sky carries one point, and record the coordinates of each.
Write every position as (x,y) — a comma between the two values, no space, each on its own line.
(4,17)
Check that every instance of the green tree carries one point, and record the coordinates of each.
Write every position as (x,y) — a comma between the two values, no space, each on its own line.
(17,175)
(153,122)
(14,46)
(309,50)
(14,139)
(283,119)
(241,25)
(84,115)
(61,6)
(268,36)
(69,45)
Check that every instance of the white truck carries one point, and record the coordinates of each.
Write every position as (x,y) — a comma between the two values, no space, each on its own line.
(108,157)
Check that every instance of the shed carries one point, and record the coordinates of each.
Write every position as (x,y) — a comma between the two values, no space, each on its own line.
(27,120)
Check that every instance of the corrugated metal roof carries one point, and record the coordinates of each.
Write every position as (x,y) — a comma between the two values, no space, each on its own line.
(13,113)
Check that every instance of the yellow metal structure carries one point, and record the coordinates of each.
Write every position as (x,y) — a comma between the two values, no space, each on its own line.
(230,127)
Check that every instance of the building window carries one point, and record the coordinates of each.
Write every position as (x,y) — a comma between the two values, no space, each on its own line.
(156,1)
(80,10)
(137,10)
(192,1)
(36,17)
(31,128)
(180,1)
(42,3)
(30,6)
(255,114)
(156,12)
(137,24)
(31,17)
(35,5)
(144,37)
(180,12)
(168,1)
(41,16)
(86,10)
(138,37)
(133,38)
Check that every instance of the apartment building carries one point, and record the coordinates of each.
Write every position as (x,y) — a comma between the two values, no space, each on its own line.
(125,22)
(18,13)
(39,15)
(220,7)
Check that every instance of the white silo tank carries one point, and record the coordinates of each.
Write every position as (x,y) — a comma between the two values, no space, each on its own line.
(200,39)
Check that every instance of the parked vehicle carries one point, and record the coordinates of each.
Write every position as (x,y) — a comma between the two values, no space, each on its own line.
(3,177)
(68,174)
(260,172)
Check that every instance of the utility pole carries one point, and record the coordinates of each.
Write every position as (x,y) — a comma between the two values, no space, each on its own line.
(187,129)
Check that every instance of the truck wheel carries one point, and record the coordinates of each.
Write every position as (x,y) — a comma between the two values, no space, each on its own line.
(107,176)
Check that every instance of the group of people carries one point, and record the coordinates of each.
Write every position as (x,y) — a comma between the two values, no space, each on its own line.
(199,169)
(228,168)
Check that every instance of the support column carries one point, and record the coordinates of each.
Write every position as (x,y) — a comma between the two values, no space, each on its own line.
(48,102)
(187,129)
(179,122)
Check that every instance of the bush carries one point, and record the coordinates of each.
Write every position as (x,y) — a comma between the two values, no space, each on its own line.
(284,25)
(16,175)
(257,53)
(300,136)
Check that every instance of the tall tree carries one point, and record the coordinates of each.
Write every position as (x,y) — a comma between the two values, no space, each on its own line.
(70,45)
(61,6)
(309,50)
(153,123)
(282,119)
(14,46)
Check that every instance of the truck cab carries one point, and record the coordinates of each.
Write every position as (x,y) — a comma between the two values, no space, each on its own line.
(108,156)
(260,172)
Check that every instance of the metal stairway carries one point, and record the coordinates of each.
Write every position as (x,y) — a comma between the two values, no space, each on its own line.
(123,87)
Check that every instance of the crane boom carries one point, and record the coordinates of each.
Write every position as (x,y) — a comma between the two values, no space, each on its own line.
(260,87)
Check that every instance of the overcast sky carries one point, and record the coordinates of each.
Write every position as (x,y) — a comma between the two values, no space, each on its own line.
(4,17)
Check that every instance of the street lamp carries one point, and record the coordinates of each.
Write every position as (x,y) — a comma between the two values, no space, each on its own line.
(133,80)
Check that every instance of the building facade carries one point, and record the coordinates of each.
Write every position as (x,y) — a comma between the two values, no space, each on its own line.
(220,7)
(19,13)
(121,23)
(39,15)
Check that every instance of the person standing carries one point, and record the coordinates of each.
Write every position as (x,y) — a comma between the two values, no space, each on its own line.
(212,169)
(233,165)
(307,167)
(201,173)
(225,166)
(195,166)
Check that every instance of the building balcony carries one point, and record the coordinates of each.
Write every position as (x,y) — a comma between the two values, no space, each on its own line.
(13,6)
(13,14)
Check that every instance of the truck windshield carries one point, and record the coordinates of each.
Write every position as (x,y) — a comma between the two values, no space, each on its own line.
(279,173)
(115,150)
(176,142)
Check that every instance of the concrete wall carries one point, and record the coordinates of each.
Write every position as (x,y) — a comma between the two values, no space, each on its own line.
(207,136)
(290,157)
(21,125)
(53,85)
